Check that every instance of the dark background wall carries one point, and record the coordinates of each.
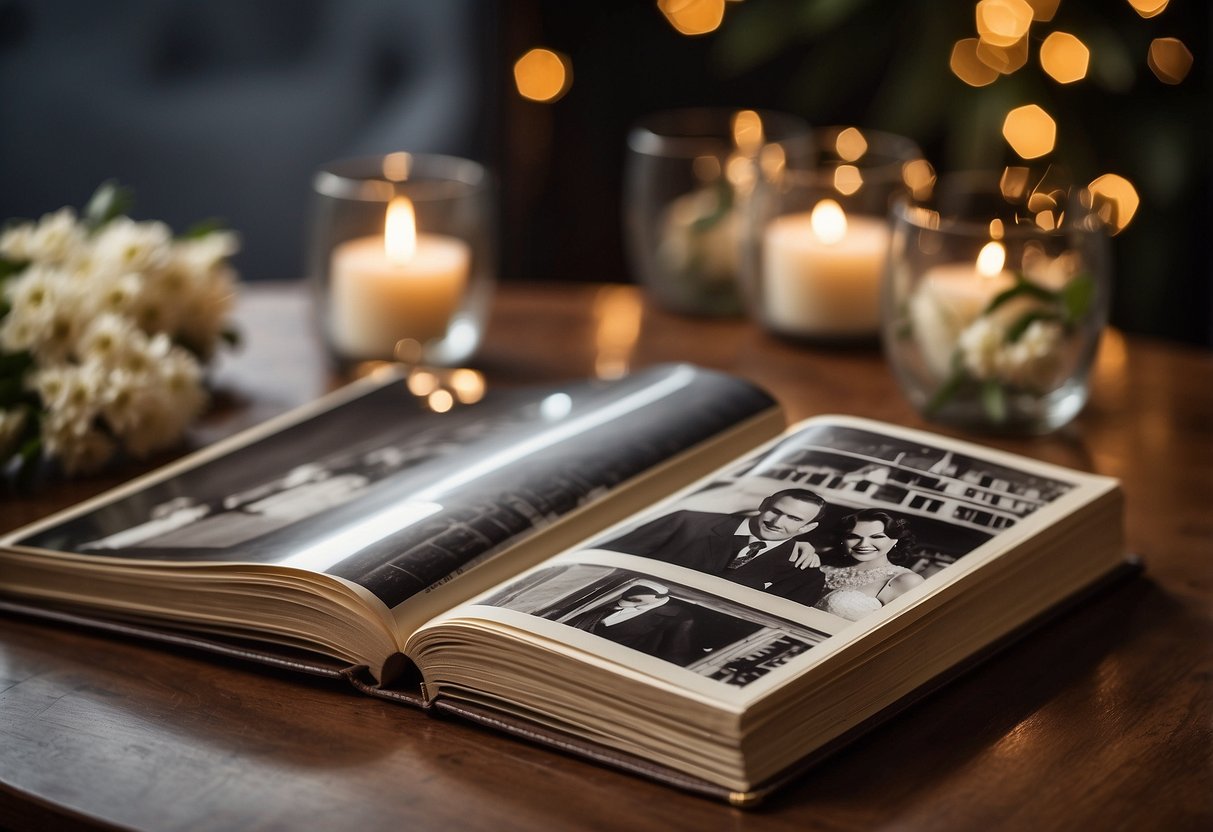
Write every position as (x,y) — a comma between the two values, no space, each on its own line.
(224,109)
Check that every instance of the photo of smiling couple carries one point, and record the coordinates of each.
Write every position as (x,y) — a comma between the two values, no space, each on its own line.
(853,568)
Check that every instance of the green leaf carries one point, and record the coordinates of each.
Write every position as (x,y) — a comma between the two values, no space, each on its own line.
(994,401)
(110,200)
(8,268)
(946,391)
(724,204)
(1016,330)
(1022,288)
(1077,296)
(202,228)
(15,363)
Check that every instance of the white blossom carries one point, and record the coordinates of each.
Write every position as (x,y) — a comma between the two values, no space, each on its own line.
(55,238)
(1030,362)
(15,242)
(101,316)
(123,245)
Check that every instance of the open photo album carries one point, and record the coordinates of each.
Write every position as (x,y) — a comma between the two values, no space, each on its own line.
(651,572)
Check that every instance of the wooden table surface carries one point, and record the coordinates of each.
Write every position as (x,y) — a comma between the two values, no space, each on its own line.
(1101,720)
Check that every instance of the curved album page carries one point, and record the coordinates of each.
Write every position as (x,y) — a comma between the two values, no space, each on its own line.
(378,491)
(784,563)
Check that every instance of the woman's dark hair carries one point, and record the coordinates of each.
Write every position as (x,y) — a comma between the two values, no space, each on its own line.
(895,527)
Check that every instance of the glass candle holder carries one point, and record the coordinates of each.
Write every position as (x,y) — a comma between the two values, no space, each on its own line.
(817,236)
(996,295)
(402,257)
(688,175)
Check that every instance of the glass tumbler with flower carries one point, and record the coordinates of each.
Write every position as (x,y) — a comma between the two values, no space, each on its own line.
(996,293)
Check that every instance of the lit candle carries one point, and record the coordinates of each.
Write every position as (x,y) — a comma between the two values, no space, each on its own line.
(950,297)
(822,272)
(399,285)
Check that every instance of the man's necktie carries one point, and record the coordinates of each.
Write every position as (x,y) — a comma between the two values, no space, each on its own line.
(746,555)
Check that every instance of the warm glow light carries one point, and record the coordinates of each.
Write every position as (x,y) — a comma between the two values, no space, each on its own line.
(747,131)
(1064,57)
(618,315)
(829,221)
(1046,221)
(396,166)
(693,17)
(847,179)
(1003,22)
(1169,60)
(422,382)
(1003,59)
(919,177)
(739,170)
(1030,131)
(968,67)
(996,229)
(772,160)
(1014,183)
(850,145)
(1118,194)
(1149,8)
(440,401)
(991,259)
(468,385)
(1043,10)
(400,231)
(543,75)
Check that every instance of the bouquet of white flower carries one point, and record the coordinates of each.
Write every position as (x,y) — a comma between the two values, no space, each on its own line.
(105,325)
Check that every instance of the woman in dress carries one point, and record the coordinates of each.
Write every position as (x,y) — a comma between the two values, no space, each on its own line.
(874,541)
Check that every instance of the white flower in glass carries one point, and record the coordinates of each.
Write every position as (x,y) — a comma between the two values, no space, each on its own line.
(1033,361)
(980,344)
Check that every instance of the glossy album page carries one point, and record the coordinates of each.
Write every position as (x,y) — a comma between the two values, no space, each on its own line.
(310,530)
(765,610)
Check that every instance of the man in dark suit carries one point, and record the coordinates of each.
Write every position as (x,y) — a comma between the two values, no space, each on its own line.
(647,619)
(758,550)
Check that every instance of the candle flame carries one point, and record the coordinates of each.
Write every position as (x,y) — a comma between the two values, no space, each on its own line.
(991,259)
(400,231)
(829,221)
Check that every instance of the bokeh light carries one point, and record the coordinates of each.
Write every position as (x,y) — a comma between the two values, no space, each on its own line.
(1003,22)
(847,179)
(1149,8)
(919,177)
(467,385)
(968,67)
(1003,59)
(1064,57)
(850,145)
(440,401)
(747,131)
(1030,131)
(1169,60)
(693,17)
(543,75)
(1014,183)
(1116,200)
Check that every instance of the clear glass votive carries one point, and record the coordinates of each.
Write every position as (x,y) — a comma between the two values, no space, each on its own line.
(402,257)
(817,235)
(688,175)
(996,295)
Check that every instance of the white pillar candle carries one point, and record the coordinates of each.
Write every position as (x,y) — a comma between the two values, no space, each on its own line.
(399,285)
(822,272)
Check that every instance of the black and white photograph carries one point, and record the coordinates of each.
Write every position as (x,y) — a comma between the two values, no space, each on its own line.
(838,518)
(708,635)
(397,498)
